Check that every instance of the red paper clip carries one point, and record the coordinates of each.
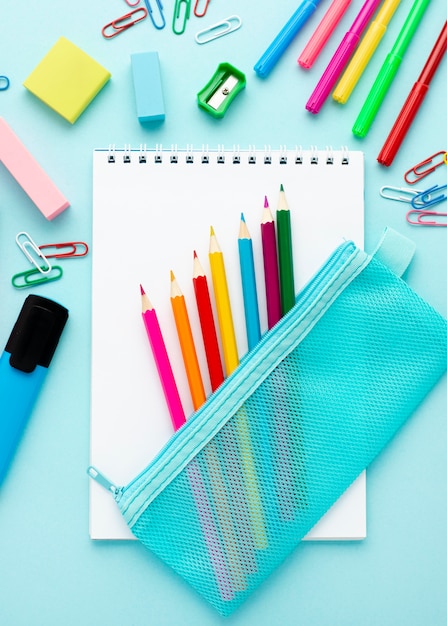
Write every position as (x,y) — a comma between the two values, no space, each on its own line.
(196,7)
(419,170)
(72,249)
(121,24)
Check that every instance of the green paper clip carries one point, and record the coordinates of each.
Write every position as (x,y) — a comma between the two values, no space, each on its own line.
(221,89)
(29,281)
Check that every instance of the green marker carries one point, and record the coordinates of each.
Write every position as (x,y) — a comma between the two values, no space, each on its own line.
(285,257)
(389,69)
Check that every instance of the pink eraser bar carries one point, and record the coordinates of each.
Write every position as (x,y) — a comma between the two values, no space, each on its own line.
(29,174)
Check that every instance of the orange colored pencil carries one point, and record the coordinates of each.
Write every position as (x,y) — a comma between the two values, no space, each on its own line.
(187,346)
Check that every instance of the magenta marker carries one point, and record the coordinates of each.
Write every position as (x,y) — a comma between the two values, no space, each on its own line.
(341,57)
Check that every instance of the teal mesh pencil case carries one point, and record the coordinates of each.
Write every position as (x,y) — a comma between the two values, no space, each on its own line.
(246,478)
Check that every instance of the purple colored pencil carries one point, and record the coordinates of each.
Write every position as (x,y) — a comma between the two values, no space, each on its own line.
(271,271)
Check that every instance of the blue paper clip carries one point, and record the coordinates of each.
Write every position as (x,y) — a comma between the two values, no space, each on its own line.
(177,18)
(30,281)
(157,25)
(428,198)
(4,83)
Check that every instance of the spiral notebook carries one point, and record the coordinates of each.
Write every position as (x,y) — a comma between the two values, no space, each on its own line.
(152,209)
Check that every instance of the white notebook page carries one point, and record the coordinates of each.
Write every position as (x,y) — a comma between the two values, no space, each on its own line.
(149,218)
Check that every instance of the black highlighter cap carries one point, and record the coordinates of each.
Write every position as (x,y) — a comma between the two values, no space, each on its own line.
(36,333)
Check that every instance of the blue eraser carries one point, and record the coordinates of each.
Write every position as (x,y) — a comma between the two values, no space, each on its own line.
(147,86)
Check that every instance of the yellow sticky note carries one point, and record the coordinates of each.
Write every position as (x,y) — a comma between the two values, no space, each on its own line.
(67,79)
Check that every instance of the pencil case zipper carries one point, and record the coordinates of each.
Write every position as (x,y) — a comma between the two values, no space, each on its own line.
(341,268)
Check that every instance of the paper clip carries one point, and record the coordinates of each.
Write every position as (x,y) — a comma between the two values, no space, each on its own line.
(28,277)
(421,215)
(72,249)
(120,24)
(227,25)
(176,16)
(205,8)
(161,25)
(26,244)
(419,171)
(4,83)
(401,194)
(427,198)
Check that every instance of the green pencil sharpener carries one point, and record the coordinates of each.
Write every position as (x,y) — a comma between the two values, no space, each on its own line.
(220,91)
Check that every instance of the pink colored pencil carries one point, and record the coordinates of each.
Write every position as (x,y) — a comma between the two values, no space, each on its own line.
(162,361)
(271,271)
(173,401)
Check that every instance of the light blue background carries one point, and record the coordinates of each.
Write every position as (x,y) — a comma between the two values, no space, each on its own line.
(50,571)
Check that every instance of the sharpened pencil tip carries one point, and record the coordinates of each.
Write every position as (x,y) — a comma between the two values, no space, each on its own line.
(281,187)
(242,217)
(195,254)
(266,202)
(172,276)
(142,290)
(212,233)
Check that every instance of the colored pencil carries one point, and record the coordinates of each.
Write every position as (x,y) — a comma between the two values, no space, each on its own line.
(231,359)
(223,306)
(196,388)
(285,254)
(249,291)
(187,346)
(162,361)
(207,325)
(271,271)
(173,401)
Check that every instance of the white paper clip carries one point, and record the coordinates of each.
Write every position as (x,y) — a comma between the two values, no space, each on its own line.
(226,26)
(25,243)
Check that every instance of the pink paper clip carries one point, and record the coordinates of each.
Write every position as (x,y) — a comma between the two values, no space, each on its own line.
(415,173)
(421,215)
(120,24)
(73,249)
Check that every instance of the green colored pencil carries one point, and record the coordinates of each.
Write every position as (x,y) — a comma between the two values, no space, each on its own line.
(285,255)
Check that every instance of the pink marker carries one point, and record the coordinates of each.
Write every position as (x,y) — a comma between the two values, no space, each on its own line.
(29,174)
(341,57)
(322,33)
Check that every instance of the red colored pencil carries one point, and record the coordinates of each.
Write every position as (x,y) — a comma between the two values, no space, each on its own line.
(271,271)
(207,325)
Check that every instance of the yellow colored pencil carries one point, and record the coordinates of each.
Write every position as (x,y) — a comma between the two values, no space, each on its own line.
(231,360)
(223,306)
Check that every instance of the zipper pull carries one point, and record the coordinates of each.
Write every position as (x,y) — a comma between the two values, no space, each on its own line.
(104,482)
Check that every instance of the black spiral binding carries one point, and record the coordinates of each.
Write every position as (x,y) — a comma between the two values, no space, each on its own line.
(205,155)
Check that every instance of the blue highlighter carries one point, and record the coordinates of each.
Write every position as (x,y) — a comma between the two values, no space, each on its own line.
(23,368)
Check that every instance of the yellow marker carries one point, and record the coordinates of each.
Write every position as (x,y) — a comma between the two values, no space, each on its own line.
(364,52)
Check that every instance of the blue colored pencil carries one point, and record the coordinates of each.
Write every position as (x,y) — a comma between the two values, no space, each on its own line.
(249,291)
